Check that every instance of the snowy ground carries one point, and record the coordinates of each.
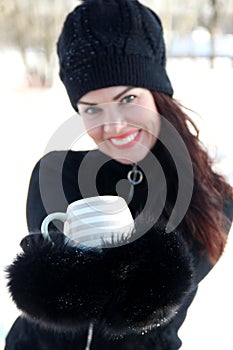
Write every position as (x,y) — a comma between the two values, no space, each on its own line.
(30,117)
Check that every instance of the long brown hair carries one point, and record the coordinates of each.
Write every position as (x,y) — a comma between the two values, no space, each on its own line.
(204,217)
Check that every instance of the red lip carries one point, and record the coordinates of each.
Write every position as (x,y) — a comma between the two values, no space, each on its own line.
(122,136)
(131,144)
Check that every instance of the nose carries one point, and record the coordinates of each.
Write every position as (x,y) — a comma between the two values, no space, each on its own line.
(114,122)
(114,128)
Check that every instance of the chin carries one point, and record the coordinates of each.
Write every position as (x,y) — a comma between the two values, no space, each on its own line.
(126,156)
(130,160)
(123,159)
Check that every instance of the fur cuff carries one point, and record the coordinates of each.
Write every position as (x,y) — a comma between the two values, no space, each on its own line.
(128,289)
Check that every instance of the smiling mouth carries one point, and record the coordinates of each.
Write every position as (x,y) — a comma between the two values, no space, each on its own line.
(126,140)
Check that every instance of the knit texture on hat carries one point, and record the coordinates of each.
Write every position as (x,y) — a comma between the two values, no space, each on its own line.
(107,43)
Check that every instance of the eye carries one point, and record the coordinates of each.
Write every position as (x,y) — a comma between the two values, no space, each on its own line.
(92,110)
(128,99)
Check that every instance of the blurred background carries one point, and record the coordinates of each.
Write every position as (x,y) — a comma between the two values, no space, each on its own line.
(34,104)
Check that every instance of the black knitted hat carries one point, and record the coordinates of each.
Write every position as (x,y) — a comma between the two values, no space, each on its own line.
(107,43)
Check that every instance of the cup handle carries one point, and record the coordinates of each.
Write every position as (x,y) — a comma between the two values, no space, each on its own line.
(45,224)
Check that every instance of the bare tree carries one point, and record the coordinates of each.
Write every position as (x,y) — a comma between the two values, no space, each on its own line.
(32,27)
(212,28)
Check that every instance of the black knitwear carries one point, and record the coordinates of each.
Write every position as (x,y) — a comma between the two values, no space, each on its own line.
(107,43)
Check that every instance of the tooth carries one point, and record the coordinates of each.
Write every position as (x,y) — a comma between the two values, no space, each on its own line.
(125,140)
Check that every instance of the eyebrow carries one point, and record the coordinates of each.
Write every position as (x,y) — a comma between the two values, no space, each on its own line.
(114,98)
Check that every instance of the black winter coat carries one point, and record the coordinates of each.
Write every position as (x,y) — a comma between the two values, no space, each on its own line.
(136,295)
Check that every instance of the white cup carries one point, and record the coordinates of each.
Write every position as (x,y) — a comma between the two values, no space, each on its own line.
(94,221)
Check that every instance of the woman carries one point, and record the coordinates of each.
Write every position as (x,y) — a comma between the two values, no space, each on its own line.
(135,295)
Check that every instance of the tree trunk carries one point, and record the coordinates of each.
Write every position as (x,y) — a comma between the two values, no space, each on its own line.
(212,30)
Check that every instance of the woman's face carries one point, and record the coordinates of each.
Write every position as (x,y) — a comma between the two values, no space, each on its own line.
(122,121)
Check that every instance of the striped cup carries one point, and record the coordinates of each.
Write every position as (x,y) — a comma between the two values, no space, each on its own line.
(95,221)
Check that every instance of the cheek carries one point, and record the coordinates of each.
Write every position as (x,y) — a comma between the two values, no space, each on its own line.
(152,117)
(154,123)
(157,125)
(95,132)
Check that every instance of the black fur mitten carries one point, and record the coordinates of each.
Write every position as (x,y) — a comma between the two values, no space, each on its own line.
(126,289)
